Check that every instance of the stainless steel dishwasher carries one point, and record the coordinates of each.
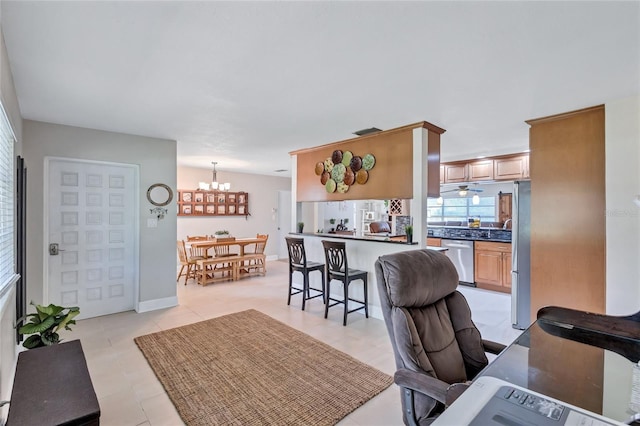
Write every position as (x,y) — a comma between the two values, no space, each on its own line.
(461,254)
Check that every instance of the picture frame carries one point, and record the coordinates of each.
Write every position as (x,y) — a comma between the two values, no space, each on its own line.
(198,209)
(211,209)
(241,210)
(198,197)
(186,209)
(221,198)
(221,209)
(232,209)
(186,196)
(211,198)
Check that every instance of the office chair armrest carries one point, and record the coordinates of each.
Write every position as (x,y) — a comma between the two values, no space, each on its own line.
(492,347)
(430,386)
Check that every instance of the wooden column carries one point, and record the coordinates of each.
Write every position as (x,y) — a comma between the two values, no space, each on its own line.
(567,167)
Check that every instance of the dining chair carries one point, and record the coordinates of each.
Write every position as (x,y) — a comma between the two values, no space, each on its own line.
(256,259)
(335,254)
(197,238)
(223,251)
(186,262)
(256,248)
(298,263)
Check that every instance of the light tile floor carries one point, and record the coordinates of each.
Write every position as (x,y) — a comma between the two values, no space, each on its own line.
(130,394)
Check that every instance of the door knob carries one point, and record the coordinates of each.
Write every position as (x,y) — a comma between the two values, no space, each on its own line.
(54,249)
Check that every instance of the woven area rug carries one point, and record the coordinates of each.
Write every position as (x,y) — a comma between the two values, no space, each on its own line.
(250,369)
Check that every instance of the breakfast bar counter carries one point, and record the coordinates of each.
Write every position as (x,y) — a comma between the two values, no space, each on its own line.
(362,252)
(393,239)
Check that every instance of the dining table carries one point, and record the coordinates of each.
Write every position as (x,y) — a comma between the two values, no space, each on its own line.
(206,245)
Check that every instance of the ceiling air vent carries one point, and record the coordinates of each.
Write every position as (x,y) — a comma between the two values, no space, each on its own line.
(367,131)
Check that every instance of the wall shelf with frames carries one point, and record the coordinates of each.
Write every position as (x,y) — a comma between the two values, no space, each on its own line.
(199,203)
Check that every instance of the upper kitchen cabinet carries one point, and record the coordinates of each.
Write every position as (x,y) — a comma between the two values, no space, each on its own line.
(456,172)
(481,170)
(506,167)
(511,168)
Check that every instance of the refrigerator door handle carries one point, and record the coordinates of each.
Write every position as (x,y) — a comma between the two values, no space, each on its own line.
(514,297)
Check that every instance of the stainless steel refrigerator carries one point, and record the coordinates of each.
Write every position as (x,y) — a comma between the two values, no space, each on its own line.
(520,255)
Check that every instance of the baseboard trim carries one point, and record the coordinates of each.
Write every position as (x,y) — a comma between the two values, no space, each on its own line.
(155,304)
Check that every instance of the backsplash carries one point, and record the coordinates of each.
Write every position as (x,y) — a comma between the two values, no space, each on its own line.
(470,233)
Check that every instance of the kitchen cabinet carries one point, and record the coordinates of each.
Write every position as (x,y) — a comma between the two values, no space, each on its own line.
(506,167)
(492,266)
(511,168)
(481,170)
(568,198)
(505,207)
(434,242)
(456,172)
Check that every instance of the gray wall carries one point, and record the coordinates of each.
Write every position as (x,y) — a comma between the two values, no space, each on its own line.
(157,161)
(263,198)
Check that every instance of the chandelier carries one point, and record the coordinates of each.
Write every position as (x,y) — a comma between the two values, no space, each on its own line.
(215,185)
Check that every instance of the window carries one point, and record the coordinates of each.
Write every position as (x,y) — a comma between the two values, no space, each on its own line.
(7,205)
(460,209)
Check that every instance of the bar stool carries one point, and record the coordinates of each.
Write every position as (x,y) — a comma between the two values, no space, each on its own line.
(335,254)
(298,262)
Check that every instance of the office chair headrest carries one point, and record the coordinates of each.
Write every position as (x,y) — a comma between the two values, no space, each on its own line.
(418,278)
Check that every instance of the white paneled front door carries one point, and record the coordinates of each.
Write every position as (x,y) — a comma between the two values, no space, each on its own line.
(92,214)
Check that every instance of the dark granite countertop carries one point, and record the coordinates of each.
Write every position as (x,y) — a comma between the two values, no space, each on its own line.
(379,239)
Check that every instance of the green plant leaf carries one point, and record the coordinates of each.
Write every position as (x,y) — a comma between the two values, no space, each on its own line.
(50,338)
(51,310)
(34,318)
(33,341)
(31,328)
(69,317)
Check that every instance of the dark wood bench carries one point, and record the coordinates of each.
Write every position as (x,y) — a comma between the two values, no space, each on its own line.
(52,386)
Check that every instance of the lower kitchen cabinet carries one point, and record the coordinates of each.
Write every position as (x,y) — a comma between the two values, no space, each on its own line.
(492,266)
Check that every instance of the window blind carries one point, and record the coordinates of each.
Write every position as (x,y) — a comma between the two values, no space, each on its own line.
(7,204)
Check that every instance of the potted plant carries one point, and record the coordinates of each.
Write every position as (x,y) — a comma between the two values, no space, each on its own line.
(45,324)
(409,231)
(222,233)
(300,227)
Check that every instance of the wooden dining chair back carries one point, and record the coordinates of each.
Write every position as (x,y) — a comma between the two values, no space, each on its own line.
(298,263)
(260,246)
(255,262)
(335,253)
(196,253)
(197,238)
(185,262)
(223,251)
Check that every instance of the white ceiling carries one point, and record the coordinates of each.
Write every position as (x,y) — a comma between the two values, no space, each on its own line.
(244,83)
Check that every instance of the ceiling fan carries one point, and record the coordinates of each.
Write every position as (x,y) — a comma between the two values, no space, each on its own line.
(462,190)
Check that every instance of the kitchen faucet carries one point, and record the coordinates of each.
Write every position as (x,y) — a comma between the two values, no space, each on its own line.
(506,222)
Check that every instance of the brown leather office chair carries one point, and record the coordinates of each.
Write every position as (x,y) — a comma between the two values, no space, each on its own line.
(436,345)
